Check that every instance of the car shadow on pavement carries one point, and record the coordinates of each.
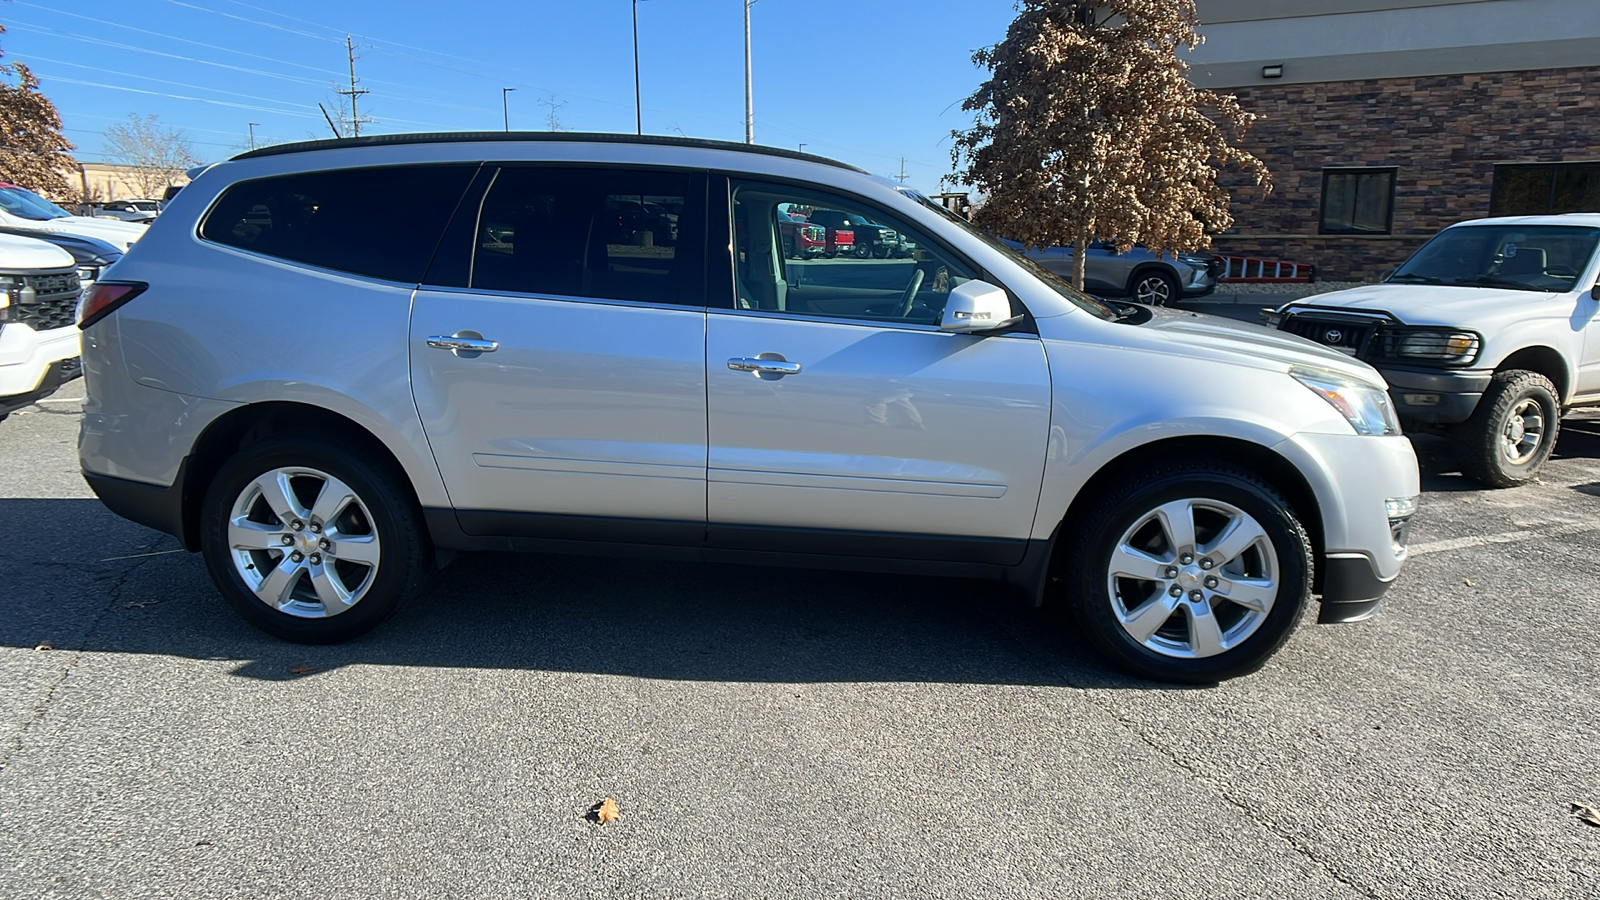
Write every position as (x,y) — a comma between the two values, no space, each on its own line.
(1580,439)
(136,592)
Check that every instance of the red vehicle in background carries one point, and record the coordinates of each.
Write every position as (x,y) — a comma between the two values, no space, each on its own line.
(801,239)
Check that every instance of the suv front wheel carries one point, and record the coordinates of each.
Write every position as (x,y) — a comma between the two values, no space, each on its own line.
(1194,573)
(309,541)
(1155,288)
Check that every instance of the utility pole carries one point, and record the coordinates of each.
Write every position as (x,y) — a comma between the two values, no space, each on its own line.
(505,108)
(902,175)
(252,126)
(749,101)
(802,148)
(353,93)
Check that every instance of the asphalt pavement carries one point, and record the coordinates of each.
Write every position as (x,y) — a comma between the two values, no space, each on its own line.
(786,733)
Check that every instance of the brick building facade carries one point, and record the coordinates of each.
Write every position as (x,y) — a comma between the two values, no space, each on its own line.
(1367,168)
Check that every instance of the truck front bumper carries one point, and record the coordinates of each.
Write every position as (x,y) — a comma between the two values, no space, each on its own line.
(1433,396)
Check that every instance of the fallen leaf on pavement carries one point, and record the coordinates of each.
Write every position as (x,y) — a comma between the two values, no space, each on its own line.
(301,670)
(1586,814)
(604,812)
(1468,582)
(45,645)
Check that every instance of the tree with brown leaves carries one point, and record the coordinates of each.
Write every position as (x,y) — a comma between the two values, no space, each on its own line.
(33,152)
(1088,128)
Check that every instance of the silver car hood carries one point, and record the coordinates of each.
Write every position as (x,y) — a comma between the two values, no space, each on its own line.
(1198,335)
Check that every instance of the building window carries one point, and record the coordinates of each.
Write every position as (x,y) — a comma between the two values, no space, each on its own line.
(1545,189)
(1358,201)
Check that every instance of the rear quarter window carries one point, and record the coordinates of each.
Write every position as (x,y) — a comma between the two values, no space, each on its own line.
(379,222)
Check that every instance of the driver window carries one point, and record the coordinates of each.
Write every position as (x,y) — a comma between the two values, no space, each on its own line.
(814,254)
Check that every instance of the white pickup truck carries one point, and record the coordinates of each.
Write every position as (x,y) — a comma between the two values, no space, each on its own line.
(39,290)
(1488,333)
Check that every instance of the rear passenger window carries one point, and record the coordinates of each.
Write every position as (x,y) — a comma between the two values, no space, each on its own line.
(613,234)
(383,223)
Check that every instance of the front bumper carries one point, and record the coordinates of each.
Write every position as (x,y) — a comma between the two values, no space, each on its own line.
(1434,396)
(55,375)
(1353,478)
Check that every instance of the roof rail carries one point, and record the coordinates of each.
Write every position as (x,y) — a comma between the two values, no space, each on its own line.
(559,137)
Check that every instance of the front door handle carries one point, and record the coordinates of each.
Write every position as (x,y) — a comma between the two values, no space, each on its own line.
(465,343)
(767,365)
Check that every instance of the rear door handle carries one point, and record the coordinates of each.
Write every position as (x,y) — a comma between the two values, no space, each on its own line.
(764,365)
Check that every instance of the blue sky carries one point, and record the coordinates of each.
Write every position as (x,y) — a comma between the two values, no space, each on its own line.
(864,81)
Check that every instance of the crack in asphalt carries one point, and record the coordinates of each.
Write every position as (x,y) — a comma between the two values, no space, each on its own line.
(1026,642)
(42,708)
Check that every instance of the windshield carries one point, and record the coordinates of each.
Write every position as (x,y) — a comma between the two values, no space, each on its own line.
(1521,257)
(1050,279)
(26,204)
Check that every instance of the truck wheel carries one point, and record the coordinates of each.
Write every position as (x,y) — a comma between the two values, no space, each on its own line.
(1513,430)
(1194,572)
(309,541)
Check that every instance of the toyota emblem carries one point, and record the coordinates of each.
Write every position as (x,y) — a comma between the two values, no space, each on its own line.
(1333,336)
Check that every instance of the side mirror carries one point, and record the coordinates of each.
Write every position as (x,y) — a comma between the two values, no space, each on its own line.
(977,306)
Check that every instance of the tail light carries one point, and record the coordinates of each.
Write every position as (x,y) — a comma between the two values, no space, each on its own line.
(105,298)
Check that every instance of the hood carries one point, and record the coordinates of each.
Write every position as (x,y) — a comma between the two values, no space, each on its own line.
(25,253)
(1177,332)
(1434,304)
(85,250)
(117,233)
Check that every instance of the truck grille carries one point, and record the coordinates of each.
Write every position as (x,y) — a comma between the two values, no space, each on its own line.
(49,301)
(1347,335)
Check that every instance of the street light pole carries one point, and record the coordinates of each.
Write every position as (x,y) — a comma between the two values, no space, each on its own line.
(638,107)
(749,109)
(505,108)
(253,134)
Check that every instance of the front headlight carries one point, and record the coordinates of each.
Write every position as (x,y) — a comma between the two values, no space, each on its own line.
(1365,406)
(10,293)
(1439,346)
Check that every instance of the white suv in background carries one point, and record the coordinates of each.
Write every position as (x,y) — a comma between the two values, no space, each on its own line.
(22,208)
(38,311)
(327,360)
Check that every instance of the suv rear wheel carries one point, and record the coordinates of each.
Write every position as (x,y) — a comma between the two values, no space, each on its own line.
(1513,430)
(310,542)
(1195,573)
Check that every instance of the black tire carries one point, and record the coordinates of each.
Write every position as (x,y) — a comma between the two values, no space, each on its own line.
(1085,592)
(862,251)
(1484,452)
(387,510)
(1154,287)
(882,252)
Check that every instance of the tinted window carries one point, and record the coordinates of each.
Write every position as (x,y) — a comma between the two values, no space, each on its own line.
(1522,190)
(382,223)
(613,234)
(800,252)
(1530,257)
(1357,201)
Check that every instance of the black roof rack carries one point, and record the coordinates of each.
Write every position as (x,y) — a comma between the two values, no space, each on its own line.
(566,137)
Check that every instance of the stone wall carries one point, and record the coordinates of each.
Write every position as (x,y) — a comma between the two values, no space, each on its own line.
(1444,133)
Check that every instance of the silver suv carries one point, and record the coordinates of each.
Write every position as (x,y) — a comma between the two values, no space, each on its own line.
(328,362)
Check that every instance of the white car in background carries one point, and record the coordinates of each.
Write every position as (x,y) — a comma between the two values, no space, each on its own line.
(139,212)
(22,208)
(39,290)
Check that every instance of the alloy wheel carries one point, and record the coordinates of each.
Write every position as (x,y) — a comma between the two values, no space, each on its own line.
(303,542)
(1193,578)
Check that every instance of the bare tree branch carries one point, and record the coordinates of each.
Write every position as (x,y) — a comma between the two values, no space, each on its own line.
(158,154)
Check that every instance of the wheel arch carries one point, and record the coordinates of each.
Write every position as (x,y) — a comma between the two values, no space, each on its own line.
(1262,461)
(1546,361)
(1145,268)
(247,424)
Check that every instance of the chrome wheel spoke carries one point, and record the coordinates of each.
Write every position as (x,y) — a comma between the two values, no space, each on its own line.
(1145,621)
(335,598)
(1251,593)
(279,496)
(244,534)
(1130,562)
(1177,520)
(277,588)
(1205,634)
(1240,535)
(361,549)
(331,501)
